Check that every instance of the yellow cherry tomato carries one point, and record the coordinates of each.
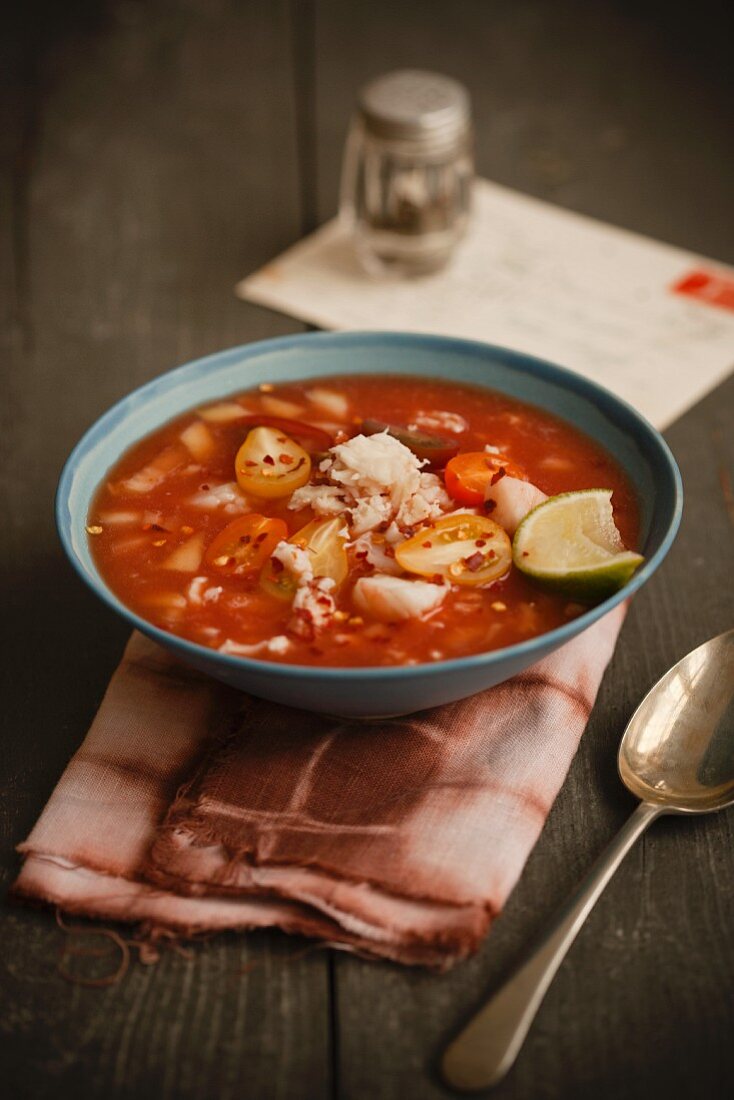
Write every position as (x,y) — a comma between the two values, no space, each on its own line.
(464,549)
(270,464)
(324,541)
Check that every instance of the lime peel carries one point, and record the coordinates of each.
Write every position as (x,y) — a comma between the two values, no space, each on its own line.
(570,544)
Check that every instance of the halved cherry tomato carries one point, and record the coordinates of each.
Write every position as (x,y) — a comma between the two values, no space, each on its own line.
(270,464)
(469,475)
(324,541)
(317,438)
(464,549)
(435,448)
(246,543)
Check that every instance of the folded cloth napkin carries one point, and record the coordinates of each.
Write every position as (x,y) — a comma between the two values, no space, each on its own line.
(191,807)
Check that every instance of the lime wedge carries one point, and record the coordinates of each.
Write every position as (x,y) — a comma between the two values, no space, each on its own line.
(570,544)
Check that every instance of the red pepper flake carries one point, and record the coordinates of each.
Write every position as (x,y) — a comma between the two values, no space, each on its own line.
(277,565)
(498,476)
(281,438)
(474,562)
(204,488)
(437,578)
(526,553)
(480,542)
(286,459)
(427,545)
(490,505)
(361,555)
(325,601)
(388,551)
(269,460)
(260,537)
(245,539)
(491,554)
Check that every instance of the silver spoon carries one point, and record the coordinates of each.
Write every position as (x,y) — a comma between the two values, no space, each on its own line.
(677,756)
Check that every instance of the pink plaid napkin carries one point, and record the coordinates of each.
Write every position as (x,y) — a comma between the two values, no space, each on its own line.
(191,807)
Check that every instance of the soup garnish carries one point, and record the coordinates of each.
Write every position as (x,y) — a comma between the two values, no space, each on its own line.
(296,523)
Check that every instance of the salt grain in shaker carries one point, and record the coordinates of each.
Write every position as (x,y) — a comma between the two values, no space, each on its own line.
(408,170)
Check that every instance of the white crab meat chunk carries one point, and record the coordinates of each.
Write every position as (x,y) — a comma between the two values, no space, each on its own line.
(390,599)
(228,497)
(374,479)
(513,499)
(369,549)
(313,607)
(439,420)
(296,560)
(278,645)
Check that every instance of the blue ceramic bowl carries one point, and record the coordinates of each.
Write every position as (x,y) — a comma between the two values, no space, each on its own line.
(366,692)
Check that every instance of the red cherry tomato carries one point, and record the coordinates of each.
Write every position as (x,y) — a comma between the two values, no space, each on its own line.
(469,475)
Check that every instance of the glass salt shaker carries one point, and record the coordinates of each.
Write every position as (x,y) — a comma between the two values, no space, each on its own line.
(408,170)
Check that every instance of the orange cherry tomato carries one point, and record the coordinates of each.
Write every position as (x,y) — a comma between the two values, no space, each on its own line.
(469,475)
(245,544)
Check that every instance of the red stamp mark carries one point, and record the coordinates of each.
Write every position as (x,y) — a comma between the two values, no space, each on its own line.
(713,287)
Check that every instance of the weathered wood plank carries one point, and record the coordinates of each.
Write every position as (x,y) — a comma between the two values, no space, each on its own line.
(590,106)
(151,162)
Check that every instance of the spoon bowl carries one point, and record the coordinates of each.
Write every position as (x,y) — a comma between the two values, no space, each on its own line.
(678,749)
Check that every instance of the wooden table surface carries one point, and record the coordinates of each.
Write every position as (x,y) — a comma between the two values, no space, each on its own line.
(154,153)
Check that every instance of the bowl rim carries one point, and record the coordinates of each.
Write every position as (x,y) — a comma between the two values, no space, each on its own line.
(517,360)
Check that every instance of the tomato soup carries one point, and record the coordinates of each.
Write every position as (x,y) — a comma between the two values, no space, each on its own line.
(348,521)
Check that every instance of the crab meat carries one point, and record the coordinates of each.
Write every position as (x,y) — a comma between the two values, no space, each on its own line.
(372,551)
(390,599)
(512,500)
(228,497)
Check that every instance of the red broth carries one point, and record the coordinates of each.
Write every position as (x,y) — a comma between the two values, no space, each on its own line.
(134,533)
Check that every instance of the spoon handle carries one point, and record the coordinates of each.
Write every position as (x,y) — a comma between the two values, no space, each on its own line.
(487,1047)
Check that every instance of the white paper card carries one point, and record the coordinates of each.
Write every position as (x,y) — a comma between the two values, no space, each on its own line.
(542,280)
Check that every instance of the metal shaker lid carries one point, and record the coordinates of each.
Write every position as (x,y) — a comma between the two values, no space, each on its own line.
(412,105)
